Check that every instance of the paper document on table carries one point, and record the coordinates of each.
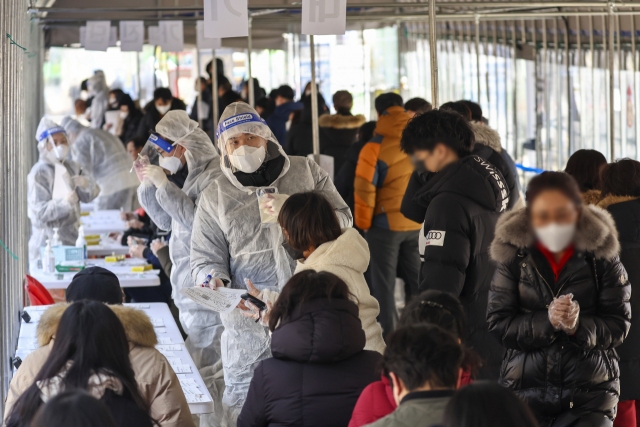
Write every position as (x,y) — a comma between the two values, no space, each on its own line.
(222,302)
(181,369)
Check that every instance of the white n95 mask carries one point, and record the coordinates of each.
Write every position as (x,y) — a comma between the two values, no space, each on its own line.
(59,152)
(172,164)
(247,159)
(556,237)
(163,109)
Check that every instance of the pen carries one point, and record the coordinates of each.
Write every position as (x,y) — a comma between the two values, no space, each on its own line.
(208,279)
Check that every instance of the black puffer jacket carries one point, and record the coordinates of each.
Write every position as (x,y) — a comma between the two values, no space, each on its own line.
(342,132)
(566,380)
(463,202)
(626,213)
(152,116)
(318,370)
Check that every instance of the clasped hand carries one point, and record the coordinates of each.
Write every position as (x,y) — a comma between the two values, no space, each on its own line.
(564,314)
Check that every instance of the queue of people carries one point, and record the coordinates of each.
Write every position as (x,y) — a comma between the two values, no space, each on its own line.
(517,306)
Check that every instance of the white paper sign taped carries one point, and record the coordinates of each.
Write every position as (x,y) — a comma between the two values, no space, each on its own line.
(226,18)
(173,35)
(155,38)
(131,36)
(97,35)
(222,302)
(322,17)
(206,43)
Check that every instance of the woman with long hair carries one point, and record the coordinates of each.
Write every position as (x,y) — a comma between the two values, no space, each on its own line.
(90,353)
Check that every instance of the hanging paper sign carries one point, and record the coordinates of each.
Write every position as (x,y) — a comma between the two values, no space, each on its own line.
(131,36)
(226,18)
(206,42)
(322,17)
(113,37)
(83,35)
(155,37)
(173,33)
(97,36)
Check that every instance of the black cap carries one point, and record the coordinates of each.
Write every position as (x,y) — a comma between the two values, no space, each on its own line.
(97,284)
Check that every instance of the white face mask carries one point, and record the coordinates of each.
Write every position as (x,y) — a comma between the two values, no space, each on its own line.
(247,159)
(556,237)
(59,152)
(172,164)
(163,109)
(124,114)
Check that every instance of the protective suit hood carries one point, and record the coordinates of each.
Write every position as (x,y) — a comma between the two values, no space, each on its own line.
(239,112)
(97,83)
(46,124)
(72,127)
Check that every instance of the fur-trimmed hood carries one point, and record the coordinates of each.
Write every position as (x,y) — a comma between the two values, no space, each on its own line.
(137,325)
(612,200)
(486,135)
(339,121)
(592,197)
(596,234)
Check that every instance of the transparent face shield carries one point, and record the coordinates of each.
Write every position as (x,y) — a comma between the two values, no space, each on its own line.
(54,143)
(150,154)
(242,141)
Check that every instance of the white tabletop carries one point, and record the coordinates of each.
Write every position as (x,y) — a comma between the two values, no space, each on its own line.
(122,269)
(103,222)
(107,247)
(170,344)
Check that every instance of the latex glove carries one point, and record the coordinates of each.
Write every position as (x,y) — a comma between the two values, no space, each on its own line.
(127,216)
(136,251)
(273,203)
(564,313)
(216,283)
(156,175)
(135,224)
(254,313)
(156,245)
(136,241)
(80,181)
(72,198)
(115,236)
(251,290)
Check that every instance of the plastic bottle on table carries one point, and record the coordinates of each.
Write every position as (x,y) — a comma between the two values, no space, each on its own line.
(81,242)
(49,260)
(55,241)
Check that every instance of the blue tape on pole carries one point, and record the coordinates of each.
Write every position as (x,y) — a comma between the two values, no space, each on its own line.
(528,169)
(49,132)
(157,140)
(238,120)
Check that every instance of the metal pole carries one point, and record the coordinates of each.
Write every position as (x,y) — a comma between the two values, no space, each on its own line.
(214,92)
(514,78)
(314,102)
(579,69)
(138,80)
(569,91)
(199,86)
(547,103)
(611,83)
(434,53)
(623,130)
(593,85)
(252,100)
(633,73)
(478,55)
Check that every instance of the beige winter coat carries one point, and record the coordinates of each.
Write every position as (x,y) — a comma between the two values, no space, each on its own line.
(348,257)
(158,384)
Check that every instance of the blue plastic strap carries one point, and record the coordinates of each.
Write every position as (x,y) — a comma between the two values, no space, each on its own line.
(238,120)
(528,169)
(157,140)
(49,132)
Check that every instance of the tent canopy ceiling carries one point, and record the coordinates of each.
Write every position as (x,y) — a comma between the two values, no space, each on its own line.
(270,22)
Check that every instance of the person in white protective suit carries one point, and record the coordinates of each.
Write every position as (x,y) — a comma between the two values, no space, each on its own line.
(103,156)
(189,162)
(98,89)
(230,238)
(55,187)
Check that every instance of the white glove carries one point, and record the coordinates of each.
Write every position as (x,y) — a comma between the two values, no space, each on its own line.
(156,175)
(564,314)
(261,317)
(80,181)
(273,203)
(72,198)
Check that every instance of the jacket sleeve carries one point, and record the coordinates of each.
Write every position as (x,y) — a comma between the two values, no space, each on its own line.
(324,184)
(209,246)
(167,403)
(147,197)
(513,328)
(610,325)
(42,208)
(165,260)
(177,204)
(410,209)
(366,184)
(25,376)
(254,412)
(448,249)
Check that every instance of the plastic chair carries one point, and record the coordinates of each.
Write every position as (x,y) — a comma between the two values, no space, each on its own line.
(38,294)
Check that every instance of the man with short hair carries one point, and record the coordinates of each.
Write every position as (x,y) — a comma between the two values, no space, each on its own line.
(417,106)
(463,200)
(423,363)
(277,121)
(163,102)
(382,175)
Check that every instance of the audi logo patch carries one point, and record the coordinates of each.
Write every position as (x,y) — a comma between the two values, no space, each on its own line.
(435,238)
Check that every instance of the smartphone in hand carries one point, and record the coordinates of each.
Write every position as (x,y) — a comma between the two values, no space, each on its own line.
(255,301)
